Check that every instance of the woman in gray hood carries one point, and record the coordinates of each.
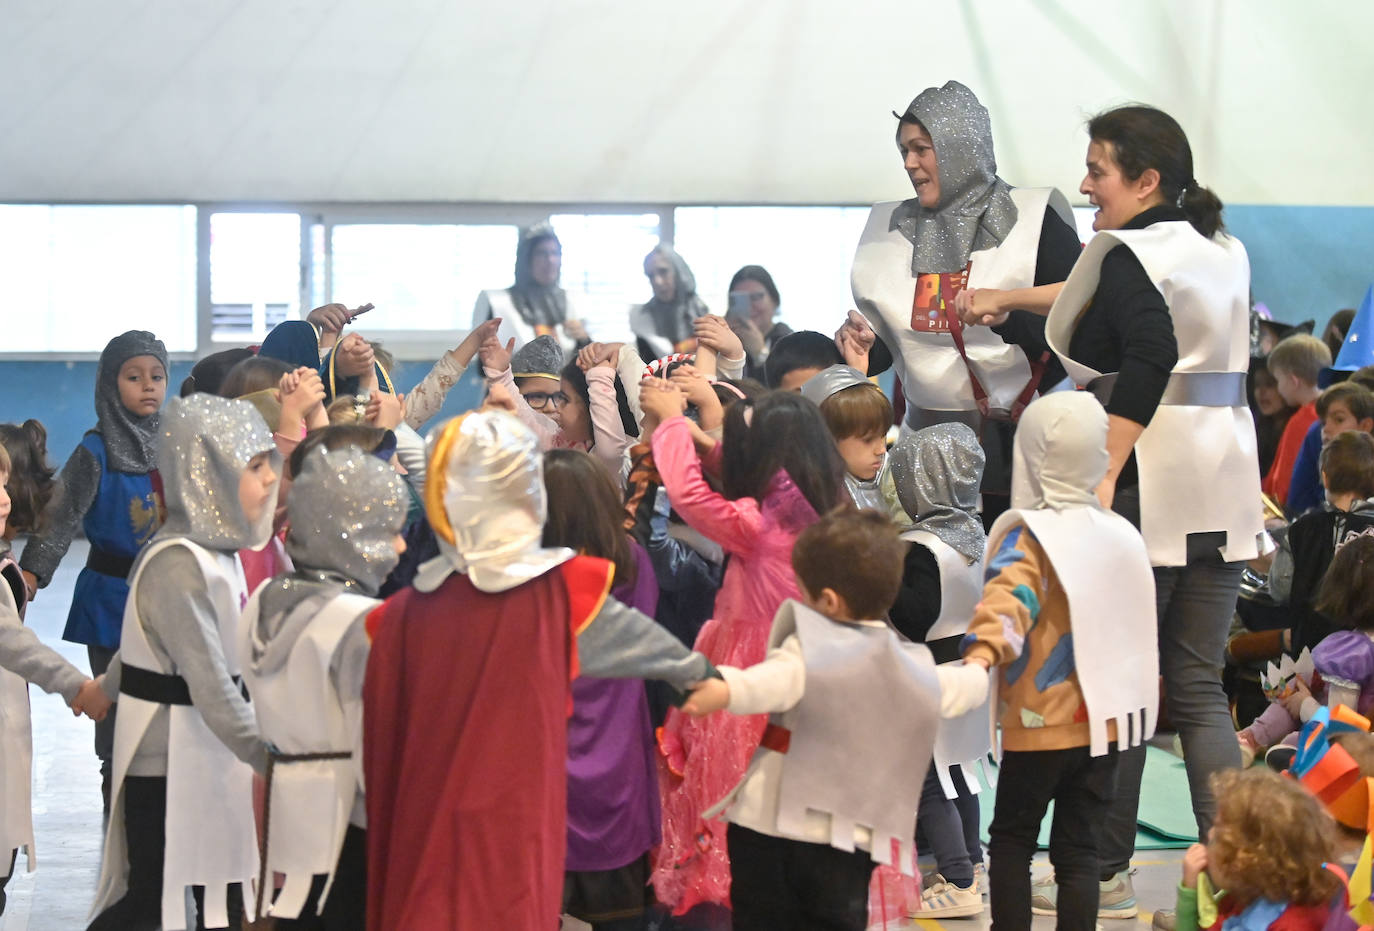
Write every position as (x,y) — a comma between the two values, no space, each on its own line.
(186,742)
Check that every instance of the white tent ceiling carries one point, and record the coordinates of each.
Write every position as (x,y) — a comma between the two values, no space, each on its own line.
(711,101)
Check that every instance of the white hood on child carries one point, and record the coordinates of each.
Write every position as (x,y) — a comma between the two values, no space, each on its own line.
(485,500)
(1060,453)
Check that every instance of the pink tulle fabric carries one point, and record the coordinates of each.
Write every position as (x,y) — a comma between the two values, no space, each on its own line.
(702,760)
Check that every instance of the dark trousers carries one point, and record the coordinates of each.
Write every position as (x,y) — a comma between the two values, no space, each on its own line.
(939,823)
(346,907)
(99,658)
(14,854)
(970,815)
(778,883)
(1082,788)
(145,823)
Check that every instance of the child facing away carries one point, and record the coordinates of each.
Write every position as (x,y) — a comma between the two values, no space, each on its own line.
(1264,857)
(108,490)
(187,743)
(23,657)
(1295,363)
(858,415)
(828,792)
(304,650)
(1068,616)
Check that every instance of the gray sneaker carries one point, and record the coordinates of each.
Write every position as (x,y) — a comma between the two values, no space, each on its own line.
(1115,897)
(1166,919)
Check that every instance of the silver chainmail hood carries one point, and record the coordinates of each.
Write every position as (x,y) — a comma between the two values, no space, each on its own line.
(537,305)
(345,510)
(206,442)
(541,357)
(938,471)
(975,211)
(673,320)
(485,500)
(130,440)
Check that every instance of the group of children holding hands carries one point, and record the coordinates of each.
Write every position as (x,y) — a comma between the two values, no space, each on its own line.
(365,683)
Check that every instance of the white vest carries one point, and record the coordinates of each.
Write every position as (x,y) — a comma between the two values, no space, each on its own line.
(934,377)
(1199,468)
(964,741)
(299,712)
(16,754)
(211,839)
(498,303)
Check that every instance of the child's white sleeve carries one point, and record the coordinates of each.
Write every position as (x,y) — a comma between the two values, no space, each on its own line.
(22,653)
(774,685)
(962,688)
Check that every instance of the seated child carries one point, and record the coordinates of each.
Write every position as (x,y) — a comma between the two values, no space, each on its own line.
(304,650)
(858,415)
(1346,405)
(1295,363)
(806,823)
(1079,659)
(23,657)
(1266,849)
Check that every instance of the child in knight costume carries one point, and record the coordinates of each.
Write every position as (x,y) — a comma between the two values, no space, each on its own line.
(937,472)
(965,228)
(187,743)
(858,416)
(823,800)
(305,649)
(109,490)
(24,659)
(467,695)
(1068,616)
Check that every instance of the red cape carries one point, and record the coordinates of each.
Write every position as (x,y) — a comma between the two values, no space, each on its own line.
(465,750)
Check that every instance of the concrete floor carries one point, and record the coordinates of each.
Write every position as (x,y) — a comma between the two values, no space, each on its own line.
(66,805)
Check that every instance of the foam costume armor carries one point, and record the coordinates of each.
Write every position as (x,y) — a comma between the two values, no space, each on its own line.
(301,637)
(465,724)
(911,261)
(1059,457)
(938,471)
(206,443)
(528,309)
(1203,426)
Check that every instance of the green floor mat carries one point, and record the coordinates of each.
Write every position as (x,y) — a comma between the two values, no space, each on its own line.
(1165,819)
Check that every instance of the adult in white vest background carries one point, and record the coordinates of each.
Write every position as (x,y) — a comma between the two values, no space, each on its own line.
(965,227)
(535,305)
(1154,320)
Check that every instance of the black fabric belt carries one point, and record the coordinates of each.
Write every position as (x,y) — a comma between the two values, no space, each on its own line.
(946,649)
(160,688)
(107,563)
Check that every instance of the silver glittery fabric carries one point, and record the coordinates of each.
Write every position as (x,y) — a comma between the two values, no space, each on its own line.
(130,440)
(206,443)
(537,305)
(345,510)
(938,471)
(540,356)
(827,381)
(975,210)
(673,319)
(492,476)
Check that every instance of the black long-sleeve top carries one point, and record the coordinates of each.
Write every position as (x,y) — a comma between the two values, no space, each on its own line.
(1127,329)
(918,600)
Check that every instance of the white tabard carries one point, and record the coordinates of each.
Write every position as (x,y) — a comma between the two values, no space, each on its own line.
(16,751)
(498,303)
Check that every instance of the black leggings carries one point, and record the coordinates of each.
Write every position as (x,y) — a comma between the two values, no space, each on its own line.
(346,907)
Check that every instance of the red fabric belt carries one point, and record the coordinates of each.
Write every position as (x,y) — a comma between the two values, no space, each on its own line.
(775,738)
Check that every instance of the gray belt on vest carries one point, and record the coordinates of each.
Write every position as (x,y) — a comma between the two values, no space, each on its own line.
(1187,389)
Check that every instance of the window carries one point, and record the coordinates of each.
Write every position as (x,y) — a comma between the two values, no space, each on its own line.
(79,275)
(419,276)
(255,272)
(603,267)
(807,250)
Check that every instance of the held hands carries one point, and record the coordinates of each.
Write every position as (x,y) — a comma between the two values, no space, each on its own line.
(300,393)
(385,410)
(594,354)
(661,399)
(855,339)
(980,306)
(91,700)
(714,333)
(1194,862)
(354,357)
(709,696)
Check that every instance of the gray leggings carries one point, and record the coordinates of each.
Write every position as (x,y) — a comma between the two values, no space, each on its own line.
(1195,604)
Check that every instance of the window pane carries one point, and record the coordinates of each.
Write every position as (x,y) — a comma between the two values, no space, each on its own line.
(807,250)
(419,276)
(603,264)
(255,270)
(78,276)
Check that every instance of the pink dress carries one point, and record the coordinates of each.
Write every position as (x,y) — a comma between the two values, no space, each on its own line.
(703,759)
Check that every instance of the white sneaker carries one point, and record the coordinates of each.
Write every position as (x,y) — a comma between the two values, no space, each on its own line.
(946,900)
(980,879)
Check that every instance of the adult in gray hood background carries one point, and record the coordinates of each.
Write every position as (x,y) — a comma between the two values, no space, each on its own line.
(663,323)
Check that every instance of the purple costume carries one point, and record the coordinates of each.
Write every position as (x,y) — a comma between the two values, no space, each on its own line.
(1345,662)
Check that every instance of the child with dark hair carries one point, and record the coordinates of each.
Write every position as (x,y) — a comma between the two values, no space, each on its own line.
(111,491)
(779,471)
(798,356)
(807,826)
(30,485)
(208,374)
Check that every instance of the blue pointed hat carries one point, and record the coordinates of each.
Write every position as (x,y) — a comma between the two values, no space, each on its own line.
(1358,349)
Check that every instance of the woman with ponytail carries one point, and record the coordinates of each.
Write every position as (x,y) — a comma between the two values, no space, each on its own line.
(1154,320)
